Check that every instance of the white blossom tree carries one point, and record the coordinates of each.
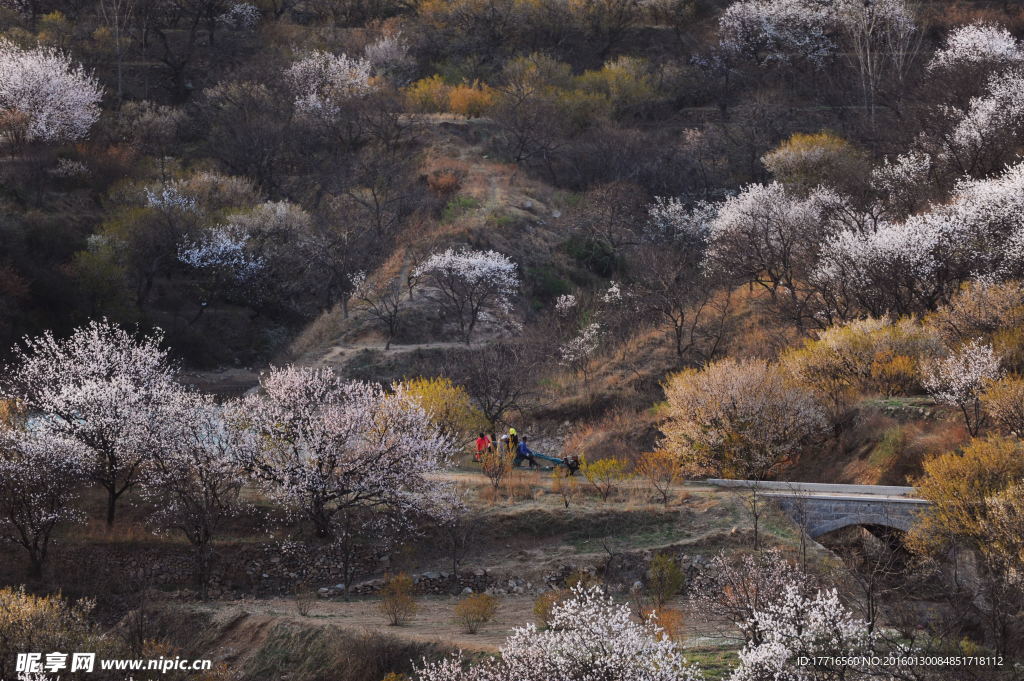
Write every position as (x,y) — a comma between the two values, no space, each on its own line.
(346,456)
(100,387)
(589,637)
(769,236)
(976,44)
(44,96)
(734,589)
(381,299)
(466,283)
(960,379)
(578,351)
(222,248)
(797,625)
(322,82)
(41,475)
(196,473)
(907,267)
(903,182)
(778,31)
(983,136)
(672,221)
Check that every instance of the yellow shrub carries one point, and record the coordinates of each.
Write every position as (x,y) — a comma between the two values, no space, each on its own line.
(397,600)
(810,159)
(544,603)
(474,611)
(663,470)
(626,82)
(1003,401)
(428,95)
(669,620)
(30,623)
(868,355)
(448,406)
(471,101)
(604,475)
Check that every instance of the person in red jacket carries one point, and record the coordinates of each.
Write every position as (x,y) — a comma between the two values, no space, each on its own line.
(482,443)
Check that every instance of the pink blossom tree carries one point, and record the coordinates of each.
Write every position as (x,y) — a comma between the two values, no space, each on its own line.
(589,637)
(347,456)
(100,387)
(44,96)
(41,475)
(466,283)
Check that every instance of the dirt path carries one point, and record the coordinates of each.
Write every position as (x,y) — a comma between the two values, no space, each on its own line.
(434,620)
(342,352)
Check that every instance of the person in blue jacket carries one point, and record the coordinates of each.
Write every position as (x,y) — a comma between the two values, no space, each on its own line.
(524,453)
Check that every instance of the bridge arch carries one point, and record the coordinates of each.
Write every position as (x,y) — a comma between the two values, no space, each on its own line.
(896,523)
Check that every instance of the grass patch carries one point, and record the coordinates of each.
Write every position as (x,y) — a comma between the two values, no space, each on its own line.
(889,449)
(457,207)
(716,663)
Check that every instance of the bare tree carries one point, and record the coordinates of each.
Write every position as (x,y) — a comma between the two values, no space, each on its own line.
(117,15)
(500,377)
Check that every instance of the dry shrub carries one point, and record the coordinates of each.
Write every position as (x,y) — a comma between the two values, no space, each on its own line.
(518,486)
(445,182)
(474,611)
(669,620)
(397,601)
(544,604)
(564,485)
(496,464)
(1003,401)
(304,596)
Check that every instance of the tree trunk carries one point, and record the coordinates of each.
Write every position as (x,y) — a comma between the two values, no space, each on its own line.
(111,507)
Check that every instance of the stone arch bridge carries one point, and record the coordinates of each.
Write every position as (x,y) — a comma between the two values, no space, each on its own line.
(822,508)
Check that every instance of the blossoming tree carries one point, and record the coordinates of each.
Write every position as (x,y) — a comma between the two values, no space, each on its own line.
(589,636)
(40,477)
(322,82)
(960,379)
(740,419)
(346,456)
(44,96)
(100,387)
(798,626)
(466,283)
(196,473)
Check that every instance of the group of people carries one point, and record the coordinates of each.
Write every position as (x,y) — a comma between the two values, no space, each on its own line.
(513,445)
